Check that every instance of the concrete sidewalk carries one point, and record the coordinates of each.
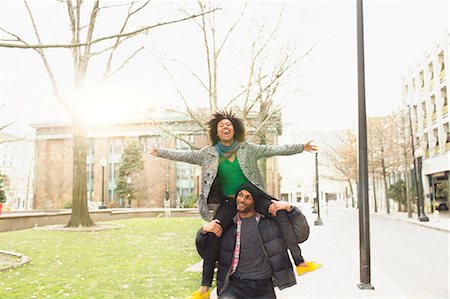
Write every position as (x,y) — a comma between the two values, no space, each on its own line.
(437,220)
(339,276)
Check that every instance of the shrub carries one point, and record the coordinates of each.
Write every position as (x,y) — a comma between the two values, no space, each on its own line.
(112,204)
(189,201)
(67,205)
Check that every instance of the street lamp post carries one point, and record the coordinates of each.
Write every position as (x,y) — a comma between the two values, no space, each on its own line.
(422,217)
(318,221)
(417,176)
(166,196)
(103,164)
(363,180)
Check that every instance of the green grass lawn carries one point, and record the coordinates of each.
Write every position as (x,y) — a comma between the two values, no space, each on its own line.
(145,259)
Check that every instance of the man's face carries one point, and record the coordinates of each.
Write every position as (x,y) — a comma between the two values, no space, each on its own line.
(244,202)
(225,130)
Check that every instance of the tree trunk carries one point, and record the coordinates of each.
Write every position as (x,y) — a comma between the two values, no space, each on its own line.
(351,193)
(80,212)
(388,209)
(374,193)
(408,195)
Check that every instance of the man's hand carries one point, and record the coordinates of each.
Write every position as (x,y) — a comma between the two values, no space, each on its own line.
(278,205)
(213,227)
(310,147)
(153,151)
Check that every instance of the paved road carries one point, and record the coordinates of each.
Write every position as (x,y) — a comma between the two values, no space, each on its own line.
(407,260)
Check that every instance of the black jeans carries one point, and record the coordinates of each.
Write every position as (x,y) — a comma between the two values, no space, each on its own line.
(225,214)
(249,289)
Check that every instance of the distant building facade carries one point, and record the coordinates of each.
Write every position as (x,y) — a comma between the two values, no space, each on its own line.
(16,167)
(425,89)
(164,183)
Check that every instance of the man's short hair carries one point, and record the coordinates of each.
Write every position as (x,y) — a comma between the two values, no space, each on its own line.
(238,125)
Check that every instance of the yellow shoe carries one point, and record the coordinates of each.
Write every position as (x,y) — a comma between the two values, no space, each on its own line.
(197,295)
(309,267)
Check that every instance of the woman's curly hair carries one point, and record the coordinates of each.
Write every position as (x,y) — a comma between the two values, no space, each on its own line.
(238,125)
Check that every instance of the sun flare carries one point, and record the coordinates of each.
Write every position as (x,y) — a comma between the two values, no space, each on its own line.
(107,106)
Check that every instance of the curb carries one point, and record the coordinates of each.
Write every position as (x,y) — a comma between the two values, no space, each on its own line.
(423,224)
(23,259)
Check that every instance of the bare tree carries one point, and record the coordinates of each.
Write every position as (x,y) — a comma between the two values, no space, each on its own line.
(385,153)
(81,47)
(266,78)
(372,168)
(341,156)
(402,154)
(265,82)
(377,134)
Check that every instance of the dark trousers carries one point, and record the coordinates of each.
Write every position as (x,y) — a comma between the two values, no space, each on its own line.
(249,289)
(225,214)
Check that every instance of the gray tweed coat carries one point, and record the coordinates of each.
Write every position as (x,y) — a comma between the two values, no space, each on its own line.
(208,158)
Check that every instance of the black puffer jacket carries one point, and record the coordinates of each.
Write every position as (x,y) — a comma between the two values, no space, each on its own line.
(274,247)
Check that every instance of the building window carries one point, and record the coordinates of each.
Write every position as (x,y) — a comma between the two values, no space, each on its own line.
(90,180)
(441,65)
(445,100)
(424,111)
(184,172)
(430,68)
(427,144)
(115,145)
(421,80)
(433,104)
(447,132)
(148,141)
(91,147)
(436,137)
(113,171)
(111,195)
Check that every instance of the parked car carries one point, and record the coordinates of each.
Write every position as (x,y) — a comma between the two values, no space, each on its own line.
(441,204)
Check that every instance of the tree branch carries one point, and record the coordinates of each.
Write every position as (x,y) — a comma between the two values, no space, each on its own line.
(188,109)
(14,139)
(56,92)
(124,63)
(118,40)
(132,33)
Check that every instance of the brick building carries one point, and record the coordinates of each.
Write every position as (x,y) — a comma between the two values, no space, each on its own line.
(160,179)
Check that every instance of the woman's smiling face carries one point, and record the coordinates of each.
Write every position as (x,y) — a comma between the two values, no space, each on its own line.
(225,130)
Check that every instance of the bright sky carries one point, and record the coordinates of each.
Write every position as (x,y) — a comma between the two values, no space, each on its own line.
(397,34)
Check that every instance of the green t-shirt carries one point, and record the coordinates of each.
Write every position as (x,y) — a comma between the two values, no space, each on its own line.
(231,176)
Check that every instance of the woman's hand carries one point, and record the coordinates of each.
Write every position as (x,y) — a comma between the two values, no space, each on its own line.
(213,227)
(153,151)
(278,205)
(310,147)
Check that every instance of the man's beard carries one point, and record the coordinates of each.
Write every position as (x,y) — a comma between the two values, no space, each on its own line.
(246,210)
